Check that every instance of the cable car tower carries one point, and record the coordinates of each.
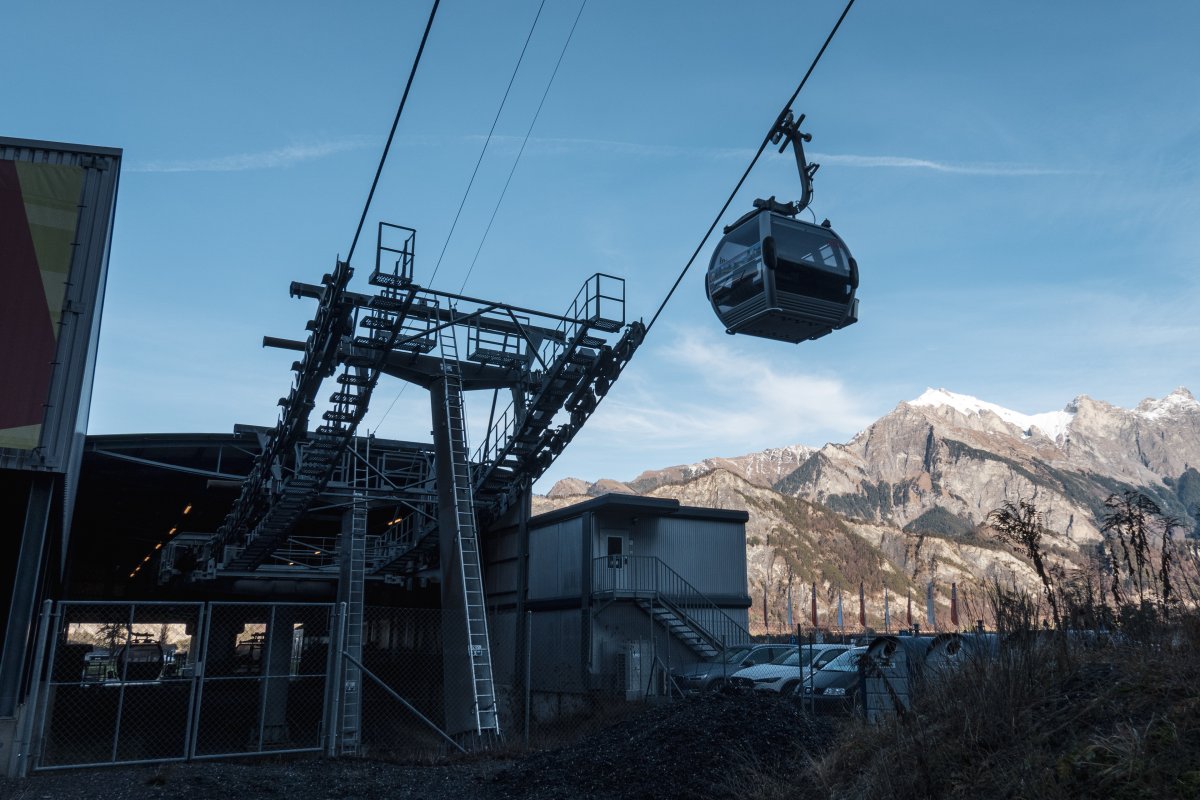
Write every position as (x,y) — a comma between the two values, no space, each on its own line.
(552,369)
(778,277)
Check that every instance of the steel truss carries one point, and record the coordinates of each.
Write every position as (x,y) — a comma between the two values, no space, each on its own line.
(554,369)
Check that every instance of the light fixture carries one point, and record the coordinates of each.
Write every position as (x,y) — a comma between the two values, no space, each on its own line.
(172,531)
(158,546)
(144,560)
(188,509)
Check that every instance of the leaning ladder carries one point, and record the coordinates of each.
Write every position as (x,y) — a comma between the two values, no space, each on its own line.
(486,718)
(354,544)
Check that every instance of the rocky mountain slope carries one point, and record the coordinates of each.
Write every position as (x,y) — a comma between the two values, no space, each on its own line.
(902,503)
(765,468)
(940,463)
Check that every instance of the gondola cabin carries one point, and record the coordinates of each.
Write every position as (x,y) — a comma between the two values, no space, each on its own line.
(777,277)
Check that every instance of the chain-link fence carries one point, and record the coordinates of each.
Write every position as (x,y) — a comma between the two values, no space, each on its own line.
(262,687)
(120,685)
(140,682)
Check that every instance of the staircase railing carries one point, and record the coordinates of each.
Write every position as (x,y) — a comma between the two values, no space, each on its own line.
(600,303)
(650,578)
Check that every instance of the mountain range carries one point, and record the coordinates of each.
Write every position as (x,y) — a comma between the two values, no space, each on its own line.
(903,503)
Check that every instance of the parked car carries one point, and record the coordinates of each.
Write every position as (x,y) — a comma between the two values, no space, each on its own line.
(785,672)
(712,675)
(837,687)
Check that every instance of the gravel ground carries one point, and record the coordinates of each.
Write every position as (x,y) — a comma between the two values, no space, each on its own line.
(699,748)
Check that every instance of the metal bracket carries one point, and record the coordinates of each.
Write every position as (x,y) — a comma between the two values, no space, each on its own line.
(787,131)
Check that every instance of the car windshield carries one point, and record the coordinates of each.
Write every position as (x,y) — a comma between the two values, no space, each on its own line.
(787,659)
(847,661)
(797,659)
(733,656)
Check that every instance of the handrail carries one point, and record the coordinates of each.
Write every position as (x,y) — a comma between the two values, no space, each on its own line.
(584,311)
(649,575)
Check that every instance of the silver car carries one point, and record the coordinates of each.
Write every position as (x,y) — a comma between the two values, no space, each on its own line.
(785,673)
(712,675)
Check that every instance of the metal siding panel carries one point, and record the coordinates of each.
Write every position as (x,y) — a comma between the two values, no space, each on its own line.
(709,554)
(554,560)
(571,559)
(543,563)
(501,582)
(70,386)
(554,652)
(502,634)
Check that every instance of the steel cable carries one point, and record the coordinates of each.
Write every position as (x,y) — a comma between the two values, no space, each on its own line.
(391,134)
(761,148)
(487,141)
(524,142)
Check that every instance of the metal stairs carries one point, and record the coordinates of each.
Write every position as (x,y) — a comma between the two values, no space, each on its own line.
(484,702)
(578,369)
(681,626)
(670,600)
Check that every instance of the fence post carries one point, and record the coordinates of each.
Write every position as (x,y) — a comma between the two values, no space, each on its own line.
(124,677)
(334,683)
(199,670)
(196,654)
(33,705)
(528,671)
(264,675)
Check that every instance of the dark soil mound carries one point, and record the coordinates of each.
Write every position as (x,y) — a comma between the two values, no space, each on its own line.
(699,748)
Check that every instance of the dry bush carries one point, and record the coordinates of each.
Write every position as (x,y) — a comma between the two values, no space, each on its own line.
(1049,716)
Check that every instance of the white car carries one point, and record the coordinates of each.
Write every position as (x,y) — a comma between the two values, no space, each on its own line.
(785,673)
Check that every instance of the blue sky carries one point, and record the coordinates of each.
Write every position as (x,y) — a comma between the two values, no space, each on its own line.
(1017,181)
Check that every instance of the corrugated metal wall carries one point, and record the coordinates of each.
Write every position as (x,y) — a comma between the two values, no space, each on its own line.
(555,648)
(707,553)
(501,567)
(555,560)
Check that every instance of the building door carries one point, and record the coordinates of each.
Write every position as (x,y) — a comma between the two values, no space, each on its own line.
(617,561)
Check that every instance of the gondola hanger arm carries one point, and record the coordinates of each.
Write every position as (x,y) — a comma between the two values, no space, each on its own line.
(787,131)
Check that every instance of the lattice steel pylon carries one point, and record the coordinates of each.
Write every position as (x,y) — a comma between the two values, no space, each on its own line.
(441,501)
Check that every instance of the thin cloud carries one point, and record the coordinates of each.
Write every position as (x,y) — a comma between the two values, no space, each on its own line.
(903,162)
(268,159)
(562,146)
(565,146)
(744,403)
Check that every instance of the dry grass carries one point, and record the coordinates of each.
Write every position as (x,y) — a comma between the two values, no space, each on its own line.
(1048,717)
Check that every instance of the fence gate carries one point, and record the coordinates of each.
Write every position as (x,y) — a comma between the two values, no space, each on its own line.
(130,683)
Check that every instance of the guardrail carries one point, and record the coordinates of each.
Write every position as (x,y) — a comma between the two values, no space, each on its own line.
(648,577)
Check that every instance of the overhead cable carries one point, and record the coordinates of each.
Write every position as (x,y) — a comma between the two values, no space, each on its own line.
(524,142)
(487,141)
(761,148)
(388,146)
(392,405)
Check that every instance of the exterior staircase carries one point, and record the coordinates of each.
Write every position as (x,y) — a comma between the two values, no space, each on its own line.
(670,600)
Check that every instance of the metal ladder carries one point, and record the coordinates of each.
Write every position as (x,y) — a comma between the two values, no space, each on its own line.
(354,567)
(486,718)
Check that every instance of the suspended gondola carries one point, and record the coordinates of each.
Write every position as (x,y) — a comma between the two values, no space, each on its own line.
(778,277)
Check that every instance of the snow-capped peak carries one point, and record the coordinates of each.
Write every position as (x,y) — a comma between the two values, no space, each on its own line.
(1177,400)
(1052,423)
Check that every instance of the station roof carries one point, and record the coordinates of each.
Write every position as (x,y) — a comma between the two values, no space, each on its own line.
(139,490)
(632,504)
